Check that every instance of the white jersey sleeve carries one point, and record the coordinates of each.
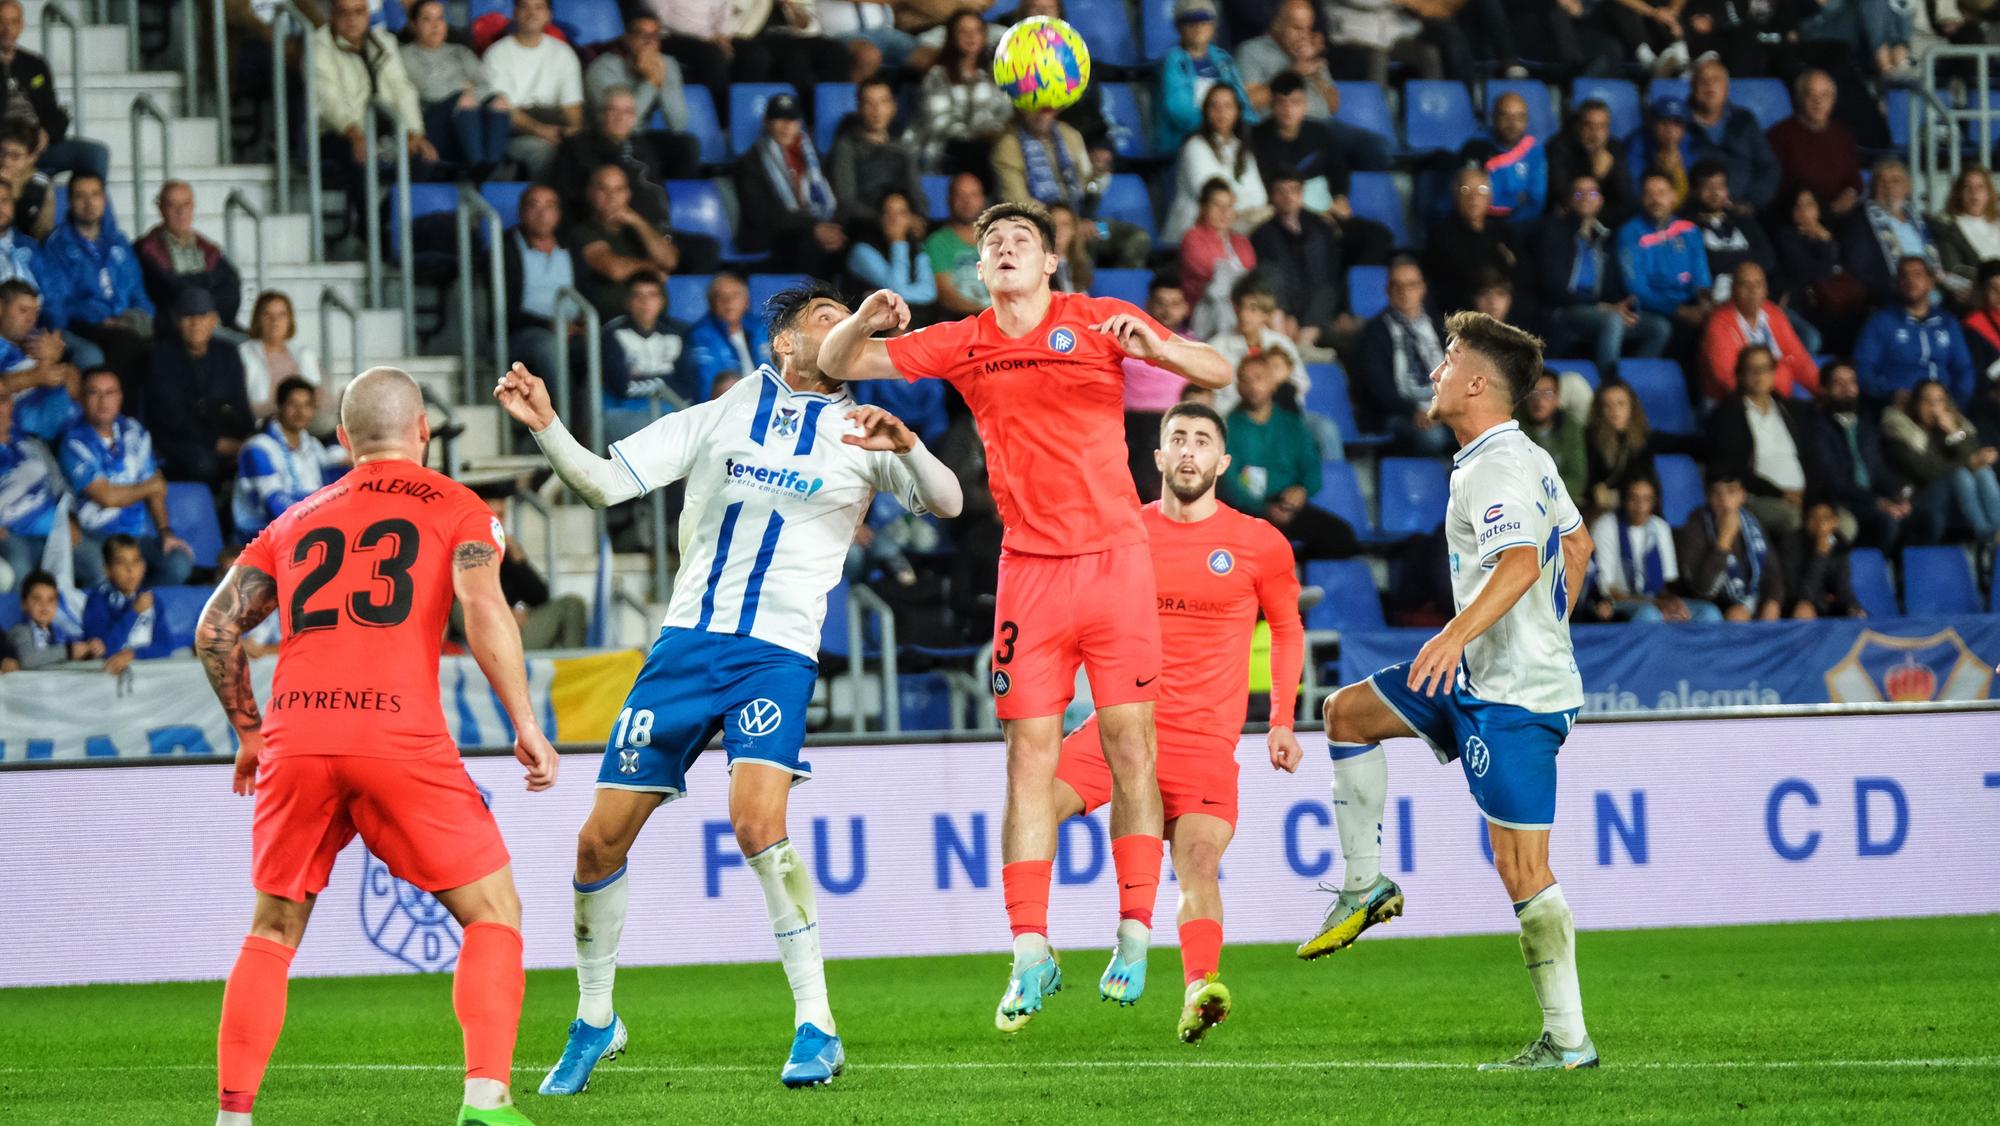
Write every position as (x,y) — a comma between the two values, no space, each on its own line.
(666,449)
(1505,507)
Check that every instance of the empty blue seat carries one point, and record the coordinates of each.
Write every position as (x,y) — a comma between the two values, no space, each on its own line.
(1127,198)
(764,286)
(1157,33)
(505,196)
(1106,27)
(687,296)
(1437,115)
(746,111)
(1001,9)
(178,610)
(1681,489)
(1374,196)
(833,640)
(1364,106)
(1766,98)
(1938,580)
(191,510)
(391,18)
(702,122)
(1327,395)
(1367,290)
(831,102)
(477,8)
(937,195)
(1872,586)
(425,199)
(10,610)
(1542,123)
(697,206)
(1129,136)
(1618,96)
(1585,368)
(1662,391)
(1411,494)
(1351,601)
(1340,494)
(587,21)
(1126,285)
(1896,107)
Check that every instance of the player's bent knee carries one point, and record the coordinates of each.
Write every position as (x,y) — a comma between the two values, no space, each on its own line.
(756,832)
(597,855)
(490,899)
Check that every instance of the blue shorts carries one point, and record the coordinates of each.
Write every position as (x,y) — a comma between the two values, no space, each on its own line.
(1507,751)
(696,683)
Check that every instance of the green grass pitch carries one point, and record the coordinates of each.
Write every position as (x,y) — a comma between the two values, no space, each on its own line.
(1868,1021)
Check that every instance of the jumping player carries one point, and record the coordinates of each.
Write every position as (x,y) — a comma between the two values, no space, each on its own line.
(362,574)
(1497,688)
(780,472)
(1042,373)
(1215,568)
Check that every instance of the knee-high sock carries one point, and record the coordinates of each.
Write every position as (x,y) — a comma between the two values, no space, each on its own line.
(253,1013)
(1201,948)
(788,897)
(486,994)
(1548,946)
(1360,787)
(1025,883)
(1136,857)
(600,921)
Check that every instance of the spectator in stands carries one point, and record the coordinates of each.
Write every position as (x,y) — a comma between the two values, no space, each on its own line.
(1286,141)
(1617,443)
(615,242)
(1369,34)
(107,457)
(1220,149)
(1188,70)
(1726,558)
(1301,257)
(30,97)
(470,123)
(1273,468)
(868,27)
(1650,31)
(195,397)
(1074,269)
(1874,33)
(1045,159)
(1213,256)
(1518,168)
(94,282)
(1750,319)
(174,257)
(1887,229)
(1820,582)
(1253,332)
(538,262)
(961,111)
(1730,135)
(779,182)
(46,389)
(269,356)
(1877,507)
(613,139)
(282,464)
(1914,342)
(29,188)
(39,638)
(1663,147)
(119,614)
(1587,148)
(20,252)
(889,252)
(542,80)
(1293,46)
(1814,150)
(1400,347)
(644,354)
(1578,284)
(1662,261)
(1637,569)
(727,339)
(1728,236)
(1937,449)
(636,61)
(1982,340)
(1149,389)
(358,71)
(868,159)
(1544,421)
(1968,233)
(545,621)
(952,254)
(1816,284)
(1762,440)
(1469,244)
(27,496)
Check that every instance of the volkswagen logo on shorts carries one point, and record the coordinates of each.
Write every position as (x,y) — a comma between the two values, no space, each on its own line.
(759,717)
(1001,682)
(1221,562)
(405,922)
(1477,757)
(1063,340)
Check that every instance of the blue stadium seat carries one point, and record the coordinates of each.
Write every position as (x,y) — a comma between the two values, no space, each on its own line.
(1374,196)
(1896,107)
(833,631)
(702,122)
(1341,495)
(1542,121)
(10,610)
(746,111)
(1364,106)
(1351,601)
(1680,487)
(1662,391)
(391,17)
(1872,586)
(477,8)
(1126,285)
(425,199)
(831,102)
(1585,368)
(764,286)
(1157,34)
(1001,9)
(1938,580)
(588,21)
(1766,98)
(1367,290)
(191,510)
(179,609)
(505,196)
(1327,395)
(687,296)
(937,194)
(697,206)
(1437,115)
(1106,28)
(1127,198)
(1618,95)
(1130,139)
(1411,494)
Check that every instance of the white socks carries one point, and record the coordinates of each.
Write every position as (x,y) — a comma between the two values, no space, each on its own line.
(1360,787)
(487,1094)
(788,896)
(600,920)
(1548,945)
(1133,939)
(1030,948)
(232,1118)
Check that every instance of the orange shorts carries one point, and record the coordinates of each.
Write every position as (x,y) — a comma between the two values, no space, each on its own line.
(422,817)
(1197,772)
(1054,613)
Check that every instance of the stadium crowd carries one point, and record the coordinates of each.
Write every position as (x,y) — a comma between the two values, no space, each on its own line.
(1778,354)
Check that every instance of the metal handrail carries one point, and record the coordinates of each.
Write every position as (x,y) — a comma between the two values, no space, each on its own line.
(330,299)
(446,435)
(470,202)
(541,508)
(406,250)
(190,53)
(282,166)
(143,106)
(1923,145)
(593,369)
(53,14)
(1927,114)
(862,600)
(238,202)
(219,44)
(131,31)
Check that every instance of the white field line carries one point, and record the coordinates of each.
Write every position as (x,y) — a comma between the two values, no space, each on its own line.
(1943,1062)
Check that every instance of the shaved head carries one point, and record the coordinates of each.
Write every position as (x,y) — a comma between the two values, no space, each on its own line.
(382,412)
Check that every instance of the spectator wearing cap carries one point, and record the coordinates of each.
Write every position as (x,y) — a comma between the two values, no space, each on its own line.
(1518,168)
(542,80)
(1468,245)
(1578,285)
(1887,229)
(1730,134)
(1661,258)
(94,286)
(174,257)
(1726,556)
(1814,150)
(780,183)
(30,97)
(1586,147)
(282,464)
(1400,347)
(1189,69)
(470,122)
(1913,342)
(1664,147)
(1749,318)
(195,397)
(635,60)
(1763,441)
(869,160)
(107,458)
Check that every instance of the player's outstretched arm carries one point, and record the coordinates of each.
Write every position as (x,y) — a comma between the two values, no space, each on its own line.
(1515,571)
(1190,359)
(244,598)
(850,351)
(495,641)
(600,481)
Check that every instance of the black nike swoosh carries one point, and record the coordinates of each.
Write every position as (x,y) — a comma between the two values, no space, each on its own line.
(1210,801)
(1145,682)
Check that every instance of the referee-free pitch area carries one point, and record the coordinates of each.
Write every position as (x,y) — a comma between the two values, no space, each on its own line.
(1875,1021)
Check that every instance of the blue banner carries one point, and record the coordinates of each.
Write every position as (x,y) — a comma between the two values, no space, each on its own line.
(1684,666)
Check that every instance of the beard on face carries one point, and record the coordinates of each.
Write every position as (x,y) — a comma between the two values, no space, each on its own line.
(1188,494)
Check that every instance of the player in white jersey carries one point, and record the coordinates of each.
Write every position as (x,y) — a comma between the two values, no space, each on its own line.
(1497,688)
(780,471)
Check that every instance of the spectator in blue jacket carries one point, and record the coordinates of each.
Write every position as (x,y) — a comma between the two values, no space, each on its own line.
(726,339)
(1187,72)
(1519,166)
(1661,258)
(95,288)
(47,391)
(27,500)
(119,614)
(108,461)
(1902,347)
(283,463)
(1730,134)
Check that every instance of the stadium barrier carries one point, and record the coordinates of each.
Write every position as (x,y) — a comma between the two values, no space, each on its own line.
(140,873)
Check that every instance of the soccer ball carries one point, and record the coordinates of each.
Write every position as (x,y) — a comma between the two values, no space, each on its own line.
(1042,64)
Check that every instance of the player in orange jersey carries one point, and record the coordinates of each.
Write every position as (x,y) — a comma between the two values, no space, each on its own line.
(1042,373)
(362,574)
(1216,568)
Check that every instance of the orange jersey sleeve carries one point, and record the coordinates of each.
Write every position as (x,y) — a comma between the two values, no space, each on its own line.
(927,353)
(1278,595)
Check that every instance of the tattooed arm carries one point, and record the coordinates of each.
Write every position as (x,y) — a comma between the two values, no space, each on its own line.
(245,598)
(494,639)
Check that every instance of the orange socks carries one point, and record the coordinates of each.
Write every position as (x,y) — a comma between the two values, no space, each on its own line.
(1136,856)
(253,1013)
(1201,948)
(486,994)
(1025,883)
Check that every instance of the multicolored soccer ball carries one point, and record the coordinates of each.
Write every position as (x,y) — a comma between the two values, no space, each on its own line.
(1042,64)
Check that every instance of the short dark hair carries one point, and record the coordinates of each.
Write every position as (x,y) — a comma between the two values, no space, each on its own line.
(1591,105)
(1909,258)
(1721,474)
(1515,354)
(1026,210)
(15,287)
(786,306)
(1164,279)
(83,174)
(1201,411)
(1988,270)
(1706,168)
(875,79)
(38,578)
(1744,355)
(1213,185)
(1286,83)
(1654,174)
(1250,285)
(646,277)
(114,544)
(289,386)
